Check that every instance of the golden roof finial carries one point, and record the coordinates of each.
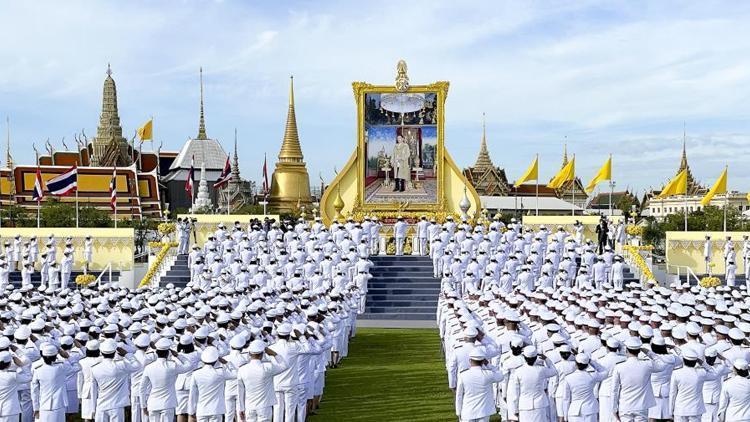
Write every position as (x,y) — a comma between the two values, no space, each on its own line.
(402,80)
(565,151)
(483,160)
(202,123)
(290,147)
(109,70)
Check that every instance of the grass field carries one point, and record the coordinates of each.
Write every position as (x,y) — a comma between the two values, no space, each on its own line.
(390,375)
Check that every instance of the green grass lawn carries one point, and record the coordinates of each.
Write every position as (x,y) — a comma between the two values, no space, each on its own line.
(390,375)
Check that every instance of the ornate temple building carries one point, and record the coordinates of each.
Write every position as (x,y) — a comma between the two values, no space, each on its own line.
(138,193)
(601,201)
(205,153)
(290,183)
(487,179)
(238,192)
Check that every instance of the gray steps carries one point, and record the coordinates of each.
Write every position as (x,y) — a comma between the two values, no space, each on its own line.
(402,288)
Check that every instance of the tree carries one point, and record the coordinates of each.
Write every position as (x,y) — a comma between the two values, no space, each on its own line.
(93,217)
(625,202)
(16,216)
(57,214)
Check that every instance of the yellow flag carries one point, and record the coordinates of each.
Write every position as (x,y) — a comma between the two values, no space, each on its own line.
(719,187)
(568,172)
(676,186)
(605,173)
(532,173)
(145,132)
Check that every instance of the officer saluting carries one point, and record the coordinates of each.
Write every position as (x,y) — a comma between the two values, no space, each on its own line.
(474,394)
(158,393)
(48,386)
(10,380)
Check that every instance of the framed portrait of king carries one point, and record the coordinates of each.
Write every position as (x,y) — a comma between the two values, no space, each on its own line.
(400,149)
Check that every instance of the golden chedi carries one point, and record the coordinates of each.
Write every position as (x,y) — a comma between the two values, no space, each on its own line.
(290,184)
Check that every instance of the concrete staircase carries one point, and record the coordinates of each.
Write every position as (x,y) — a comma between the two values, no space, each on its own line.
(178,274)
(402,288)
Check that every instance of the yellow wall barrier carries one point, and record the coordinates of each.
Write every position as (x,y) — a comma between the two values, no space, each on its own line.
(111,245)
(686,249)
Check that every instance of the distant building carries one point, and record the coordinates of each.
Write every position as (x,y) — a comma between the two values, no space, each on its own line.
(487,179)
(601,201)
(660,208)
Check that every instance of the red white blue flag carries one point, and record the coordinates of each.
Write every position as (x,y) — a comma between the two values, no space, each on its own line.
(64,184)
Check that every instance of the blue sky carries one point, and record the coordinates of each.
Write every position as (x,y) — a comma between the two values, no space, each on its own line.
(612,77)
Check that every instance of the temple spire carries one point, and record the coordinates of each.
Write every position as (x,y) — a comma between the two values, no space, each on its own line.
(202,123)
(565,152)
(235,163)
(290,147)
(483,159)
(683,161)
(8,158)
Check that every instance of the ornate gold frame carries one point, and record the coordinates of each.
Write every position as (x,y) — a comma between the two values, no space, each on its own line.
(360,90)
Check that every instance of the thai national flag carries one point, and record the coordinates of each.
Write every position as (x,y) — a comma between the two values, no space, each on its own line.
(113,190)
(226,174)
(38,194)
(64,184)
(189,181)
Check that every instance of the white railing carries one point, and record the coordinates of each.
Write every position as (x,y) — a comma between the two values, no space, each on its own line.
(107,269)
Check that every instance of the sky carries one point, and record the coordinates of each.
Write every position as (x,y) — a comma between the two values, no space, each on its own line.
(619,77)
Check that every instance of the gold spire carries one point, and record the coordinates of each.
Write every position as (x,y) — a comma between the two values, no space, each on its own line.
(109,131)
(8,158)
(483,160)
(290,184)
(290,147)
(202,123)
(565,152)
(683,161)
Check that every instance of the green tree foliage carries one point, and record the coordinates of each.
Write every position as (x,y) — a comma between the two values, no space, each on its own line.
(57,214)
(17,216)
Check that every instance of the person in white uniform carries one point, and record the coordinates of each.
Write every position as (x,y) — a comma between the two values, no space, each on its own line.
(255,391)
(206,402)
(399,234)
(49,395)
(734,404)
(10,379)
(579,401)
(686,388)
(158,393)
(110,381)
(632,394)
(530,402)
(475,401)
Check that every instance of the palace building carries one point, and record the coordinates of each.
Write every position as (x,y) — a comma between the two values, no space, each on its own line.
(148,183)
(487,179)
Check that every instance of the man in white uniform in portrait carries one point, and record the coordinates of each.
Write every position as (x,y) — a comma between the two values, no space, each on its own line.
(400,164)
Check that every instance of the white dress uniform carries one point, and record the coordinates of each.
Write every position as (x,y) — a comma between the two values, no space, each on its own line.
(579,401)
(158,393)
(255,388)
(527,387)
(10,379)
(399,232)
(48,391)
(207,385)
(735,400)
(474,395)
(686,392)
(609,361)
(110,381)
(632,394)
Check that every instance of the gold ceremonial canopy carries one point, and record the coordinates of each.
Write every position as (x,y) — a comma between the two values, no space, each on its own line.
(290,183)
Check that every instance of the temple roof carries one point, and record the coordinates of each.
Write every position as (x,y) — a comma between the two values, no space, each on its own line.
(693,187)
(483,159)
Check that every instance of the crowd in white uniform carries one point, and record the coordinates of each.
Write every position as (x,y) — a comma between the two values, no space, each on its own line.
(536,326)
(249,338)
(55,269)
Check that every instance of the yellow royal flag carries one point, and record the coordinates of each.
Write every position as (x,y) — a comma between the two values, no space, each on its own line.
(567,173)
(532,173)
(676,186)
(605,173)
(146,132)
(719,187)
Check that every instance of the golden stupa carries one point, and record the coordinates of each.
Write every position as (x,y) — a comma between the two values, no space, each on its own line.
(290,184)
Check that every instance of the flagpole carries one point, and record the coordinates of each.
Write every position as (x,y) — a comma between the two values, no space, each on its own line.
(537,186)
(38,207)
(726,204)
(686,211)
(573,208)
(76,201)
